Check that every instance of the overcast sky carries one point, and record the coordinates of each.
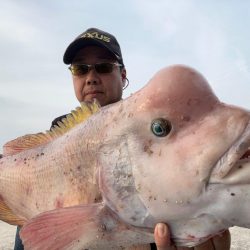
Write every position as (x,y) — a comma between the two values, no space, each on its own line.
(35,86)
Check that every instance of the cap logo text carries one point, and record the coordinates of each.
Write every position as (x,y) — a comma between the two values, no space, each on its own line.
(96,35)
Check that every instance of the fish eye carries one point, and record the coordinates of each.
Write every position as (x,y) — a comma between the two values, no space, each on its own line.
(161,127)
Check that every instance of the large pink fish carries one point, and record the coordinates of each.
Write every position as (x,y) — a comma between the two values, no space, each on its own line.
(172,152)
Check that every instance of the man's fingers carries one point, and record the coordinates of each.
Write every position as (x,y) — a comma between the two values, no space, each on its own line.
(208,245)
(162,240)
(219,242)
(162,237)
(223,241)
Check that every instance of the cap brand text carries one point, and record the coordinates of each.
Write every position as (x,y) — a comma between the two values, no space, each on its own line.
(96,35)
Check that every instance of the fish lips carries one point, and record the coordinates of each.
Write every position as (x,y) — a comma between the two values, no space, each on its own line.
(234,165)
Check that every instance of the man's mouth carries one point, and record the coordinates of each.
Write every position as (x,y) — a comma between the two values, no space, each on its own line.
(94,92)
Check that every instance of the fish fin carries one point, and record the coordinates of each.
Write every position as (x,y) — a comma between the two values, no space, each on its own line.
(76,116)
(8,216)
(91,226)
(25,142)
(29,141)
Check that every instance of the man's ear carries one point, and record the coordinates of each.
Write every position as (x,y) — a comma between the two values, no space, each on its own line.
(123,75)
(125,81)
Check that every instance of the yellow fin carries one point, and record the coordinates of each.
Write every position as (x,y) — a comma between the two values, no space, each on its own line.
(29,141)
(75,117)
(8,216)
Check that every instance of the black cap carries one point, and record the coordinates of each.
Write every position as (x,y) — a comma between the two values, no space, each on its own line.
(96,37)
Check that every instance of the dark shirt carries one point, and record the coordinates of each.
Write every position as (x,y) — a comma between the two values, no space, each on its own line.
(18,242)
(58,119)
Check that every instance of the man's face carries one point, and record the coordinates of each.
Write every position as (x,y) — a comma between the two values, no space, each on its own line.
(105,87)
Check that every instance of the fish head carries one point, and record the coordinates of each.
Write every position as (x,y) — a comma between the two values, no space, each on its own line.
(176,136)
(185,140)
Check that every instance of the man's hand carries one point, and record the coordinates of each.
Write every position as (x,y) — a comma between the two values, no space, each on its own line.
(162,240)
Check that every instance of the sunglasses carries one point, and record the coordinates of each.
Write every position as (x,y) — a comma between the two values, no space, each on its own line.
(101,68)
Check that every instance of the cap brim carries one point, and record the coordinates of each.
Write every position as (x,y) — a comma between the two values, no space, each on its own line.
(74,47)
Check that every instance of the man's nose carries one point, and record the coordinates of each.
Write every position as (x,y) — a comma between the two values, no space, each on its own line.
(92,77)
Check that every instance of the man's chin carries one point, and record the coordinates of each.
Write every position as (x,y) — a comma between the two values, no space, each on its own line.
(99,99)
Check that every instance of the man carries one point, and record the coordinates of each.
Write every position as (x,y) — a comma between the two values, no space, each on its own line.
(98,72)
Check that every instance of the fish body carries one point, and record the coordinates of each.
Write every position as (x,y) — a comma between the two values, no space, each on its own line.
(171,152)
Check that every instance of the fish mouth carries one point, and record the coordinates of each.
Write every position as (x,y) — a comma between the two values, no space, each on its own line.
(234,166)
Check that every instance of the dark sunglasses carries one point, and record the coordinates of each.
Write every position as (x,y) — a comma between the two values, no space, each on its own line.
(101,68)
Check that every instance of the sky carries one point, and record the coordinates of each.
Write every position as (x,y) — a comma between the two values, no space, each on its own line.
(36,86)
